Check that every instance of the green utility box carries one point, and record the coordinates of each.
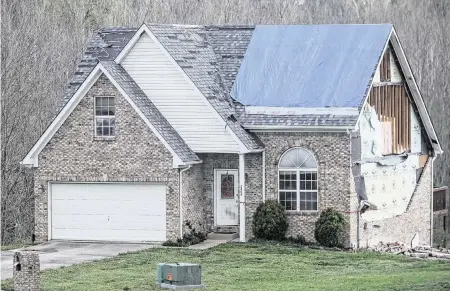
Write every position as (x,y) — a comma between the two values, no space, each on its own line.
(181,276)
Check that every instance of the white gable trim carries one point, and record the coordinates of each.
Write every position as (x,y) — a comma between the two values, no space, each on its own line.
(415,92)
(366,98)
(130,44)
(414,89)
(135,39)
(31,159)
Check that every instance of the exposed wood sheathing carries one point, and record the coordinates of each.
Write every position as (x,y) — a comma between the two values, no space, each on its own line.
(385,67)
(392,106)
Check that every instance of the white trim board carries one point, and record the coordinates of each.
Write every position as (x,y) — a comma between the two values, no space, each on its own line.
(31,159)
(144,29)
(301,110)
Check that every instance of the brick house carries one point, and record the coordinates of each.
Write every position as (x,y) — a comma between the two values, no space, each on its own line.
(165,124)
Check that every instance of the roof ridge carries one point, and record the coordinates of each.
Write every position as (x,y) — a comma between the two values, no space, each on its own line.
(231,26)
(116,29)
(176,25)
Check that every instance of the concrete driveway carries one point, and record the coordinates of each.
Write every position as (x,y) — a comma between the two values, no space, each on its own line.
(56,254)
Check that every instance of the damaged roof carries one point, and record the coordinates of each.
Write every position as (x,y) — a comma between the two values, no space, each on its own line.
(104,45)
(310,66)
(224,62)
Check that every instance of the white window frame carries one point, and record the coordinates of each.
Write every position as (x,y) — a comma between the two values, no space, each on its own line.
(104,116)
(298,171)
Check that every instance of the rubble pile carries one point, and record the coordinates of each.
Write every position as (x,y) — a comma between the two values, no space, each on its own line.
(416,252)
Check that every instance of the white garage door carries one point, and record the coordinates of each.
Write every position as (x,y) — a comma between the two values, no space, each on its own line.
(108,211)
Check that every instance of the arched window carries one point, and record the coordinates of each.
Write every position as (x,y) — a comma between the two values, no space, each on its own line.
(297,172)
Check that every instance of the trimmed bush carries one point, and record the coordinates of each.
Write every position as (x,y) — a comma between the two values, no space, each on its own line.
(270,221)
(329,228)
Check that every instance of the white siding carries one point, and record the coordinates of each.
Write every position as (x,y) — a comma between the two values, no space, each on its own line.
(184,108)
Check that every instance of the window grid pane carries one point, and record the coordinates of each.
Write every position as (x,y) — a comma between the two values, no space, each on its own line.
(308,190)
(288,180)
(105,116)
(289,200)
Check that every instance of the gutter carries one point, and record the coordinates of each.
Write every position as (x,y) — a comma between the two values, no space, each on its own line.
(272,128)
(181,198)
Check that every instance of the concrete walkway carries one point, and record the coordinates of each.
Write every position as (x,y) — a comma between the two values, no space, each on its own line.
(56,254)
(214,239)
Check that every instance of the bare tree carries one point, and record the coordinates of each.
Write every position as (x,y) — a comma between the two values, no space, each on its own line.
(43,40)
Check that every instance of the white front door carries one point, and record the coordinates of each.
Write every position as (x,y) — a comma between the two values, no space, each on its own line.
(226,197)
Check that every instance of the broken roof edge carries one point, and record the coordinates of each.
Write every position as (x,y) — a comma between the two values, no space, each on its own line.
(31,158)
(415,91)
(411,83)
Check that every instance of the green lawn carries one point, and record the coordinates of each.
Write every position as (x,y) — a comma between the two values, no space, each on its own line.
(258,267)
(14,246)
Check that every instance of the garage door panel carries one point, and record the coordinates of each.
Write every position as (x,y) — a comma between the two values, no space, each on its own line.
(110,208)
(108,211)
(101,222)
(113,235)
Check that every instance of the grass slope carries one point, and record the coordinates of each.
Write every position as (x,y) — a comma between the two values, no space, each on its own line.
(257,267)
(14,246)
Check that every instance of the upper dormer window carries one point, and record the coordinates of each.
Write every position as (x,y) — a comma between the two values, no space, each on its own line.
(105,119)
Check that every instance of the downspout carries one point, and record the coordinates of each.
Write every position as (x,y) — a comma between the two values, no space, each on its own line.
(242,198)
(181,198)
(358,212)
(431,200)
(264,176)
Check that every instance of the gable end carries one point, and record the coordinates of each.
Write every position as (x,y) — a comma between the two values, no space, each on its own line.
(31,159)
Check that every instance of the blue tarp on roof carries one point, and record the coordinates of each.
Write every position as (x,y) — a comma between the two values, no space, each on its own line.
(310,65)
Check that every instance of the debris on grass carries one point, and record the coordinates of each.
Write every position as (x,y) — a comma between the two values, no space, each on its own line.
(423,252)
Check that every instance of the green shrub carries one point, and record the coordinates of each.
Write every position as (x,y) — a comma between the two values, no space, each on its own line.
(299,239)
(329,228)
(270,221)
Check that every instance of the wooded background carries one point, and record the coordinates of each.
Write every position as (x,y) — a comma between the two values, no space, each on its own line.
(43,40)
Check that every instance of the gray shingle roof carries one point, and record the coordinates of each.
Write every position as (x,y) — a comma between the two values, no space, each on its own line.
(105,44)
(189,47)
(229,44)
(211,57)
(249,120)
(150,111)
(292,120)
